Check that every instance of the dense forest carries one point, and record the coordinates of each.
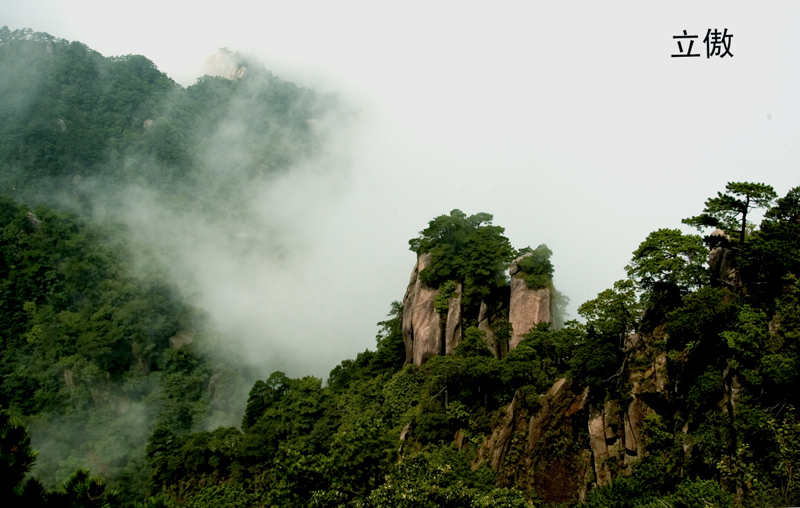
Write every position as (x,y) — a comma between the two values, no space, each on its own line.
(674,389)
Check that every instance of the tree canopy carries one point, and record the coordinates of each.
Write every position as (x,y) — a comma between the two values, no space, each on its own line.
(465,248)
(729,211)
(669,259)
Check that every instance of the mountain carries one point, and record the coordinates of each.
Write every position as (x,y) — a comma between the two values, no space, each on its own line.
(101,342)
(675,389)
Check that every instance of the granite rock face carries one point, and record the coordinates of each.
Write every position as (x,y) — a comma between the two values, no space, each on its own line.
(527,307)
(535,447)
(422,325)
(452,331)
(722,259)
(426,333)
(485,325)
(226,64)
(526,449)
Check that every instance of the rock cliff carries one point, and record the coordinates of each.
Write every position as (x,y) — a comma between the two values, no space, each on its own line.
(526,448)
(565,442)
(527,307)
(722,259)
(425,332)
(226,64)
(428,332)
(485,321)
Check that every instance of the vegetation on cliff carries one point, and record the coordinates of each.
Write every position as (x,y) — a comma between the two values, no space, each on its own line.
(677,389)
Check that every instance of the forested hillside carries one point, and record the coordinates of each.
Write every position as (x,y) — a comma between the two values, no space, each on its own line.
(676,387)
(99,344)
(72,115)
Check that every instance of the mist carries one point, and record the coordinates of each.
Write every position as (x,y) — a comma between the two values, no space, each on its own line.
(575,129)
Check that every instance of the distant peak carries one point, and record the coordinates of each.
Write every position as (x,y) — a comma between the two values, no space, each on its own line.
(227,64)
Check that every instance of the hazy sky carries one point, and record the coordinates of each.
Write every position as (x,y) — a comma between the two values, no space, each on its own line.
(570,122)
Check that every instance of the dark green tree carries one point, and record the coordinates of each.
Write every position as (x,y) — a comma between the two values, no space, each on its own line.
(611,319)
(729,211)
(535,266)
(465,248)
(82,490)
(16,455)
(667,265)
(774,251)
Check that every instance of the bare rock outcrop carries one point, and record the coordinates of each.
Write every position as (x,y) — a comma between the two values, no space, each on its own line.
(33,220)
(526,446)
(529,451)
(226,64)
(604,439)
(649,391)
(496,447)
(181,339)
(452,331)
(722,259)
(634,420)
(486,320)
(527,307)
(425,333)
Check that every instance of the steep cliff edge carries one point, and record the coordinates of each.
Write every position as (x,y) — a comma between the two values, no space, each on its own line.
(434,318)
(423,332)
(527,307)
(565,441)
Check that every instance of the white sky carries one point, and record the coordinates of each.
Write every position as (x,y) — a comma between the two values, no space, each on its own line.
(568,121)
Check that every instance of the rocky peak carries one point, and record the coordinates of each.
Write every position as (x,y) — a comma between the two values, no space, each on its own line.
(527,307)
(722,259)
(423,331)
(226,64)
(428,331)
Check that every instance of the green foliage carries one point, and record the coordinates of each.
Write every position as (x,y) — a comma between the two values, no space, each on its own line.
(437,480)
(16,455)
(729,211)
(774,251)
(220,496)
(731,365)
(401,394)
(699,321)
(746,341)
(669,260)
(611,319)
(81,490)
(535,266)
(473,344)
(157,501)
(84,340)
(786,437)
(615,312)
(467,249)
(694,494)
(551,348)
(81,129)
(84,351)
(442,301)
(391,349)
